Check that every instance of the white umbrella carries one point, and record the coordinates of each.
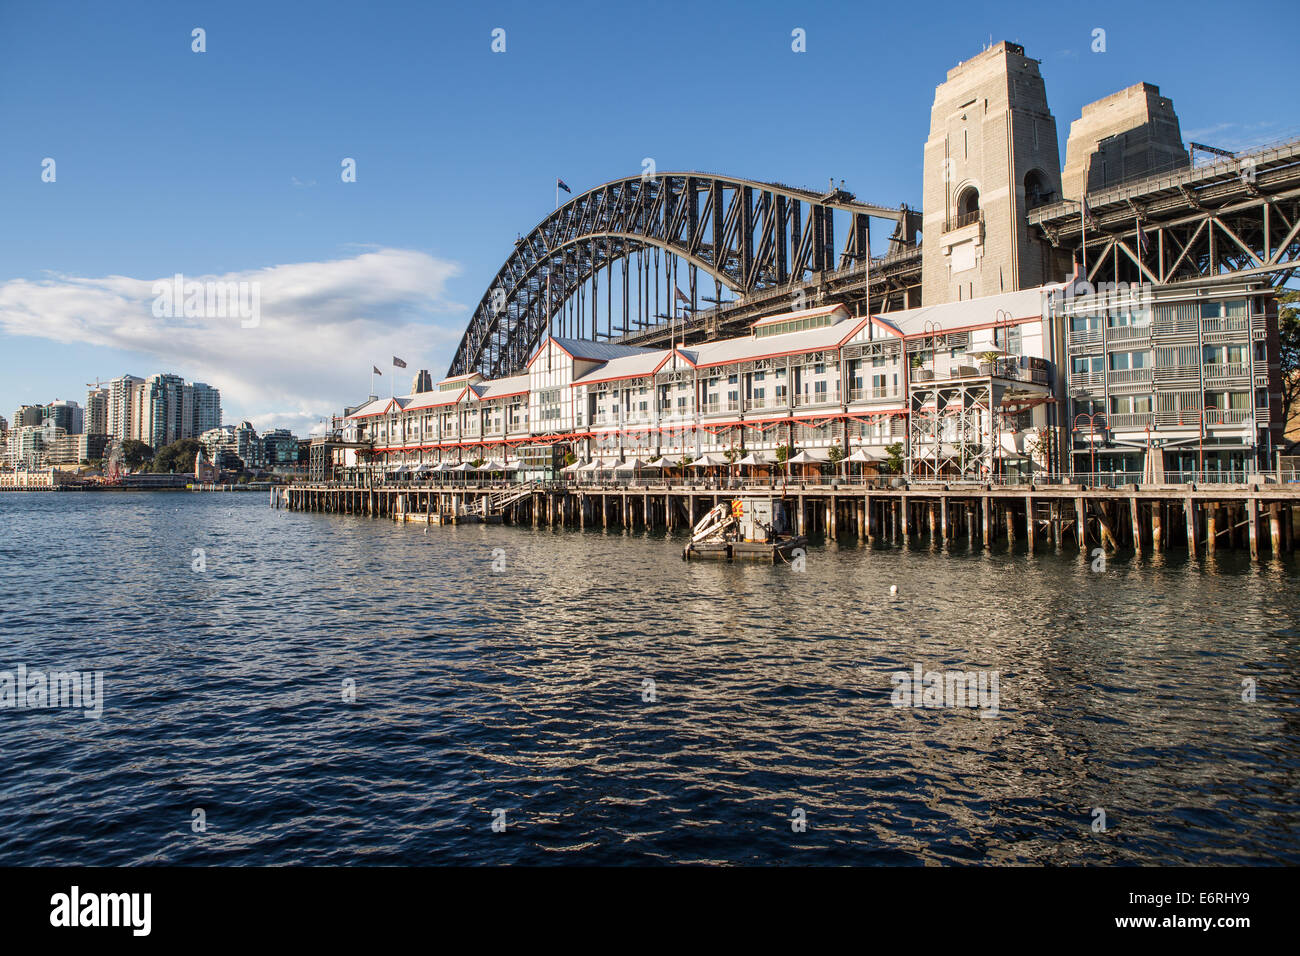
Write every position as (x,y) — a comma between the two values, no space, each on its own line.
(708,461)
(570,469)
(754,458)
(463,466)
(592,465)
(631,464)
(803,458)
(492,465)
(860,457)
(661,463)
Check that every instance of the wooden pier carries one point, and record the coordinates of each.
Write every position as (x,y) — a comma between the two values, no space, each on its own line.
(1201,519)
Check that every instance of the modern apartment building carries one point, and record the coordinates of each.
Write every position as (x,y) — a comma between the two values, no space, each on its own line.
(64,414)
(206,412)
(1190,375)
(121,400)
(157,411)
(96,418)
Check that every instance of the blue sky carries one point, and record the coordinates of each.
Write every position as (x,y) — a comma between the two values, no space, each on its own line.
(227,162)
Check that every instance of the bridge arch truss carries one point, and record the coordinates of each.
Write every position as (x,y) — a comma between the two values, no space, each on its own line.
(668,235)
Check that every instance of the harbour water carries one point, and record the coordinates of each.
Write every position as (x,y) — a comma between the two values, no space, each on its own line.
(323,689)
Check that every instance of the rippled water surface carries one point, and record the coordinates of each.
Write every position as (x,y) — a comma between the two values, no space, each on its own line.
(524,691)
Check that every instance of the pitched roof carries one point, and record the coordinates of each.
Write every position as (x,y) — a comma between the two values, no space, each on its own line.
(500,387)
(645,363)
(747,347)
(801,314)
(970,313)
(379,406)
(588,350)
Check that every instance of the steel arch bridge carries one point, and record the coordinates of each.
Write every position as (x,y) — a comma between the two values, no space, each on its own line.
(744,236)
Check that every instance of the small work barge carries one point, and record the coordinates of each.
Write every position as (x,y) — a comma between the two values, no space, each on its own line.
(753,528)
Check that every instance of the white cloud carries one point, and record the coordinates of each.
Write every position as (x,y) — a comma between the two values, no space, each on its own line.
(323,324)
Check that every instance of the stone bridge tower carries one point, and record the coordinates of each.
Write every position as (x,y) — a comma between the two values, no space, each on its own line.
(991,156)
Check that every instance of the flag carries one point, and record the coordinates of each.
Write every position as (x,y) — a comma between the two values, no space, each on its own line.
(398,363)
(1141,241)
(375,369)
(561,184)
(1087,211)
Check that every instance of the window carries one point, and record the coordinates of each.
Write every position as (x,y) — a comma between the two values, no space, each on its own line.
(1083,364)
(1130,404)
(1085,323)
(1037,192)
(1222,354)
(968,203)
(548,402)
(1127,360)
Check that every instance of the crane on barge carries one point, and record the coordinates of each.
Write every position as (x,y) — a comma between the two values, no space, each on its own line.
(755,527)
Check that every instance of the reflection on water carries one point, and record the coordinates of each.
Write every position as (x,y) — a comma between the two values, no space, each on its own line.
(524,691)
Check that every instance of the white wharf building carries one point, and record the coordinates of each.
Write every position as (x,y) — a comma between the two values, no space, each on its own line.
(961,389)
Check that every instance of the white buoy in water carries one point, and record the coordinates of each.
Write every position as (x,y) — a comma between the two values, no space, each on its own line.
(893,589)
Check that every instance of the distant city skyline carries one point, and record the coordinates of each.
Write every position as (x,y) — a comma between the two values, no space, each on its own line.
(229,167)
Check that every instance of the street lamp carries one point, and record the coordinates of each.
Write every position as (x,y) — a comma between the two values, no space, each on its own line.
(1092,435)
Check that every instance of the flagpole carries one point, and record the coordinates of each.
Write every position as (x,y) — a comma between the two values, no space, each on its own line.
(1083,230)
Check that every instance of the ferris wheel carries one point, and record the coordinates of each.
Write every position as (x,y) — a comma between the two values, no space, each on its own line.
(114,463)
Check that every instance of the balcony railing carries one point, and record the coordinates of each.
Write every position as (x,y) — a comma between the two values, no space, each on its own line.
(1127,376)
(828,397)
(1124,333)
(1130,420)
(1231,323)
(1227,370)
(867,394)
(966,219)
